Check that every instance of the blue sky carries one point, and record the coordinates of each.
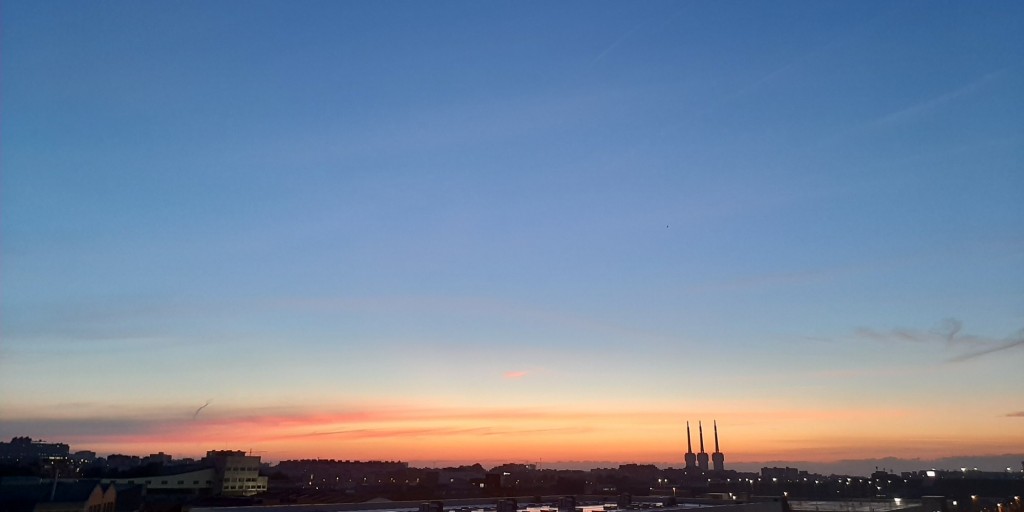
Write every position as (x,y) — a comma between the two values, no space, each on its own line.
(277,203)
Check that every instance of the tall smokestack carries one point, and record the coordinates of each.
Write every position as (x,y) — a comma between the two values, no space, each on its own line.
(716,436)
(691,458)
(717,458)
(700,429)
(702,457)
(689,446)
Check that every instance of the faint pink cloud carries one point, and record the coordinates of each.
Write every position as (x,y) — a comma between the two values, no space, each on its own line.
(1018,414)
(515,374)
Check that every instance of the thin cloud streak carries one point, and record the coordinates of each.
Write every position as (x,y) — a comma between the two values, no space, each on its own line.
(978,353)
(949,334)
(430,432)
(392,422)
(471,306)
(863,30)
(938,101)
(385,433)
(629,33)
(858,373)
(195,414)
(769,281)
(615,44)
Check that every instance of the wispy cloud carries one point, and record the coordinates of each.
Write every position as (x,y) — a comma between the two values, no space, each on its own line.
(858,373)
(935,102)
(474,307)
(768,281)
(654,26)
(950,333)
(1017,414)
(616,43)
(110,325)
(369,433)
(823,51)
(396,433)
(516,374)
(995,348)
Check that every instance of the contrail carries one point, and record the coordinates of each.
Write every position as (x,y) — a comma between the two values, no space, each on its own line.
(631,31)
(978,353)
(940,100)
(616,43)
(200,408)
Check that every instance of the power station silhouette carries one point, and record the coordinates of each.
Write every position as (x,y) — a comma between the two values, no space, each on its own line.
(699,461)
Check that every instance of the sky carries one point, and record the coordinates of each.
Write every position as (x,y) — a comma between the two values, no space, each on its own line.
(514,231)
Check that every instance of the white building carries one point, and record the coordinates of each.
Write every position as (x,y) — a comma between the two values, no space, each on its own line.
(228,473)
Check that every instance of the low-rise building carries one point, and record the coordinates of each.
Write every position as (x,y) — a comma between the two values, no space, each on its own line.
(237,474)
(202,482)
(220,473)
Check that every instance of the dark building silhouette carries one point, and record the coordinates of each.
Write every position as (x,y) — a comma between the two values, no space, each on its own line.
(717,458)
(59,496)
(23,450)
(702,457)
(698,462)
(786,474)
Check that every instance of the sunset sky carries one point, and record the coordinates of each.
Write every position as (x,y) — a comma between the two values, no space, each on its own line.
(470,231)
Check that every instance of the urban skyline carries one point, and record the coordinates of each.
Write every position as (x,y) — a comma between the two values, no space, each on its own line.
(514,230)
(689,460)
(30,472)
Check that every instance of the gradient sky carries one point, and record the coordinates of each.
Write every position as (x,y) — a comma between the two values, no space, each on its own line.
(521,231)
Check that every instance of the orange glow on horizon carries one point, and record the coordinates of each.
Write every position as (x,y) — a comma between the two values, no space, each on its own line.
(510,434)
